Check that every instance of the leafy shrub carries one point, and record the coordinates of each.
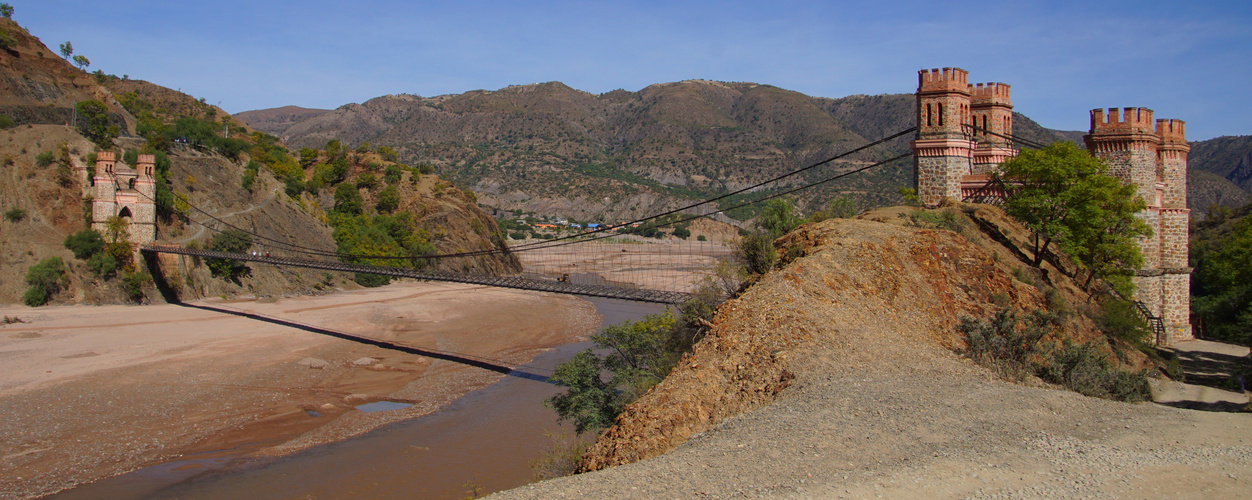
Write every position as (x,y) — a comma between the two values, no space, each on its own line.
(233,241)
(42,160)
(940,219)
(388,200)
(1011,347)
(134,283)
(1006,342)
(1122,322)
(347,199)
(366,181)
(637,359)
(103,265)
(561,457)
(6,122)
(46,279)
(85,243)
(369,280)
(1083,369)
(15,214)
(755,253)
(392,174)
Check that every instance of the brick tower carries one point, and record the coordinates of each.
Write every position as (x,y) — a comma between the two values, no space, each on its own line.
(1152,155)
(943,150)
(992,111)
(119,190)
(962,132)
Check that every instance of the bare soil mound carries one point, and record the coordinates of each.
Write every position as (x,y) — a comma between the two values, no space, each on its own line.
(835,376)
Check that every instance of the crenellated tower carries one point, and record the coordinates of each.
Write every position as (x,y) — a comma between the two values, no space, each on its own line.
(992,113)
(943,148)
(1152,155)
(121,191)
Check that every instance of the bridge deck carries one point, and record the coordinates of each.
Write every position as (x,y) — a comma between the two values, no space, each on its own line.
(518,282)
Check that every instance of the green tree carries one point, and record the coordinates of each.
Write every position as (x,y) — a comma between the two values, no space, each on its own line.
(637,357)
(82,62)
(46,279)
(116,226)
(1063,195)
(347,199)
(67,49)
(134,284)
(367,181)
(388,200)
(85,243)
(232,241)
(777,218)
(15,214)
(6,10)
(1221,287)
(94,123)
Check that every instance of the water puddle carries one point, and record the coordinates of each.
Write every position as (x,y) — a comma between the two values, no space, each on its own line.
(383,406)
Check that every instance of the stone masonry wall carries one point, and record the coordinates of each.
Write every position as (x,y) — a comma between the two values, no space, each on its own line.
(939,177)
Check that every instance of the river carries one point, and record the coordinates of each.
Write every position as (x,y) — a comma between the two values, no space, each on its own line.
(481,443)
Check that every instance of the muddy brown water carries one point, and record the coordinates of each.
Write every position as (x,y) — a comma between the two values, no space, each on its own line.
(480,443)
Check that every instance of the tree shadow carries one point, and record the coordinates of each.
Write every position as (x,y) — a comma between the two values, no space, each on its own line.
(468,360)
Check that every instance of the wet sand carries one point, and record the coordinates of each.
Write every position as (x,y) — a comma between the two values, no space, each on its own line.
(92,392)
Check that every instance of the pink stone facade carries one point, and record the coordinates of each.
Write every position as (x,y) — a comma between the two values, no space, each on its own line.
(119,190)
(1152,154)
(963,135)
(961,132)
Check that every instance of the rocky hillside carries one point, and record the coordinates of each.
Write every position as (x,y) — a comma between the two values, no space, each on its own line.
(552,149)
(275,121)
(242,179)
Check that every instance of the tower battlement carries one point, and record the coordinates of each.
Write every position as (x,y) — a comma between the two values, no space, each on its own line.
(1171,131)
(1129,121)
(146,166)
(989,93)
(943,80)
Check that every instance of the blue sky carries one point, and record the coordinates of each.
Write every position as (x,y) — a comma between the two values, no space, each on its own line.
(1186,60)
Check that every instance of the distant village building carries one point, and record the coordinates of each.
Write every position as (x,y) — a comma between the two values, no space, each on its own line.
(963,133)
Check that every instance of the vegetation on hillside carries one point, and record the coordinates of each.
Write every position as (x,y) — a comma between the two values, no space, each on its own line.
(46,279)
(1013,345)
(111,258)
(1221,286)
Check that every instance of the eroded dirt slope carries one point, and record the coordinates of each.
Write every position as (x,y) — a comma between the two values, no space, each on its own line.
(835,377)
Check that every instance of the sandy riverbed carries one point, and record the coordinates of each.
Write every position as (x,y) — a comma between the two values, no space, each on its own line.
(90,392)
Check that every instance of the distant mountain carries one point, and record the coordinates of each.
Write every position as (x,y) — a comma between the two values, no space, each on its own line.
(553,149)
(276,121)
(1229,157)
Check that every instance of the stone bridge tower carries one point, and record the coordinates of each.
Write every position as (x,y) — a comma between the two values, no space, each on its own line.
(1153,156)
(119,190)
(957,127)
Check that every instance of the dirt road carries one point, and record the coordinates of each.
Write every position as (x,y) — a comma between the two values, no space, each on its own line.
(90,392)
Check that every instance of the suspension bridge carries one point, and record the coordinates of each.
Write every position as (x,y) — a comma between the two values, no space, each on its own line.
(612,261)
